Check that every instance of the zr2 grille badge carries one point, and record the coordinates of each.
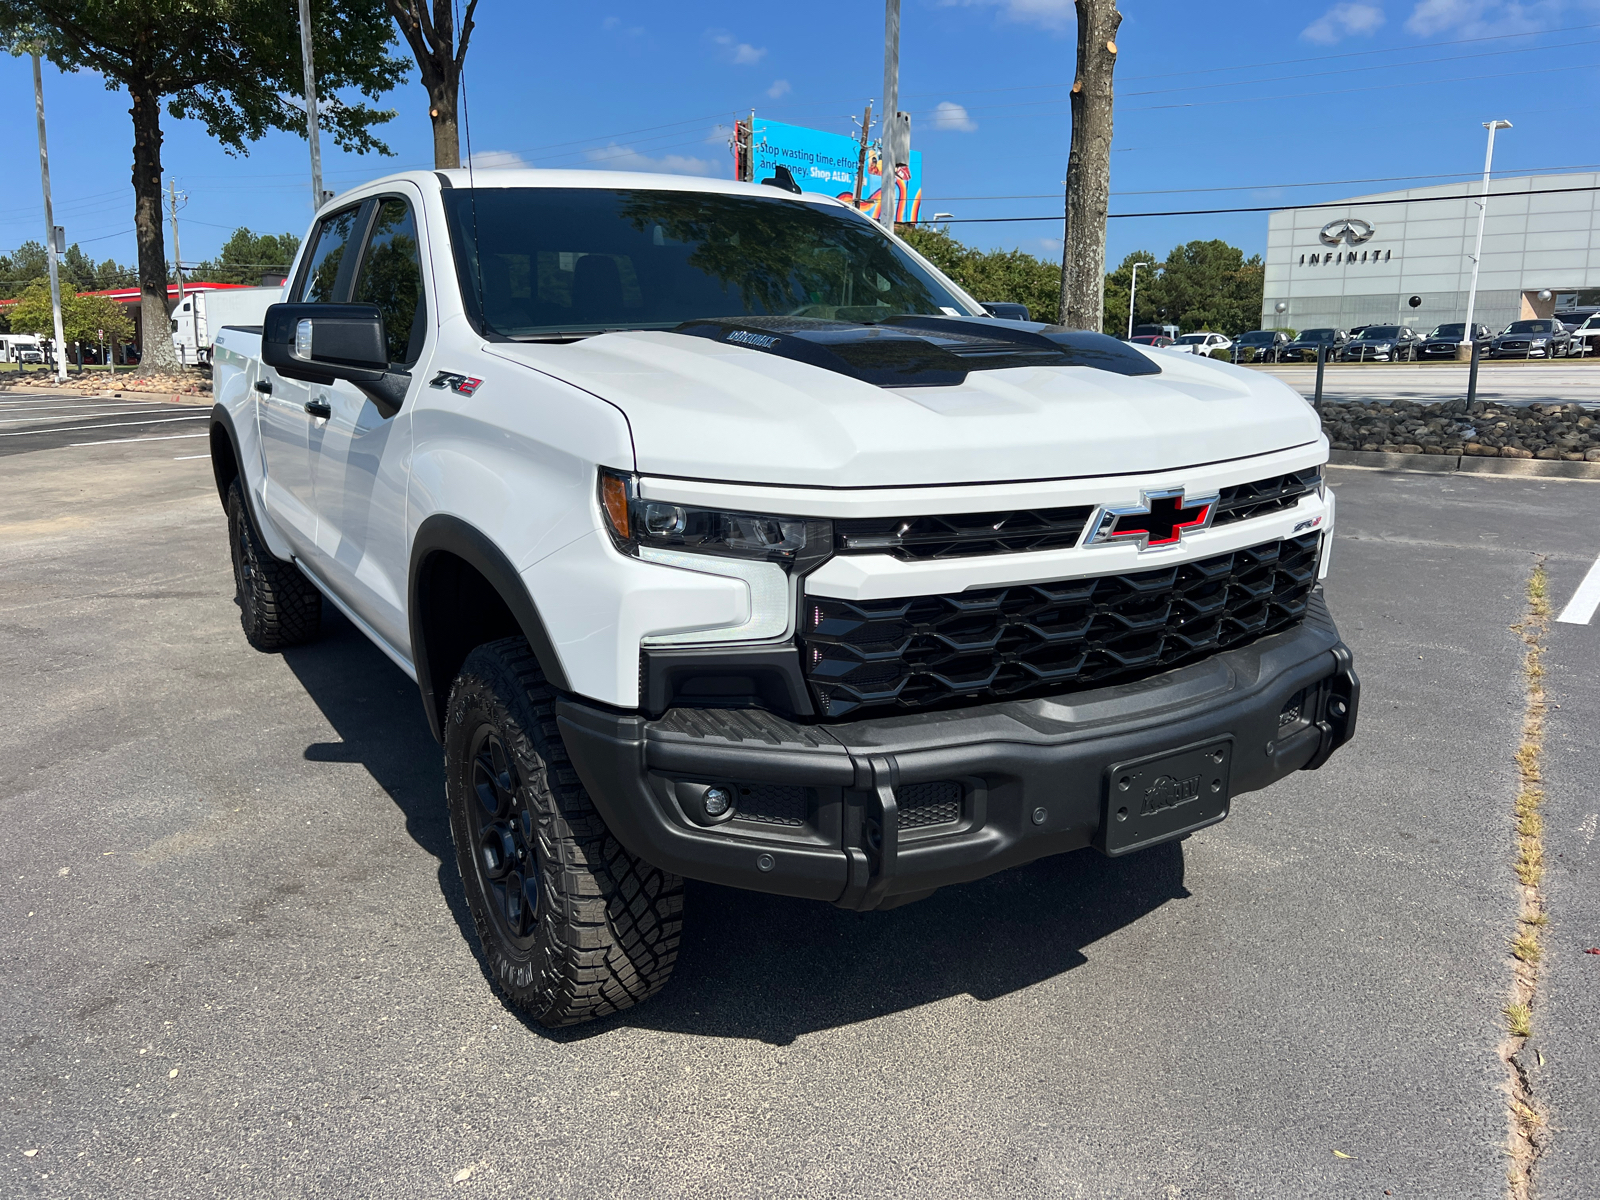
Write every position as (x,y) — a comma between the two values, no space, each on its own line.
(1157,523)
(461,385)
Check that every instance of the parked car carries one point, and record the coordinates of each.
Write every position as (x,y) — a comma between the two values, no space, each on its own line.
(803,658)
(1166,331)
(1152,339)
(1586,338)
(1544,337)
(1202,343)
(1574,318)
(1304,344)
(1260,345)
(1442,342)
(1357,330)
(1383,343)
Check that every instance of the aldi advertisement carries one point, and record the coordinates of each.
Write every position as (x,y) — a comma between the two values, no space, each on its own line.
(826,162)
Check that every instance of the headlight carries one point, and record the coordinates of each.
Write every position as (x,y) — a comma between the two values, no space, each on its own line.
(1385,348)
(762,550)
(1540,341)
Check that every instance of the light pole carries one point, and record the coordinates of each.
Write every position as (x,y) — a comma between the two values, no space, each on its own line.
(1133,292)
(49,227)
(1477,254)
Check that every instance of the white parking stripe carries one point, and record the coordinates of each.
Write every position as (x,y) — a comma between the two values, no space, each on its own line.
(1580,609)
(181,457)
(171,437)
(126,412)
(108,425)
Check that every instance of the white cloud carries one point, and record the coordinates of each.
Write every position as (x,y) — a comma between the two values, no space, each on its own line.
(490,159)
(1051,245)
(740,53)
(625,158)
(1051,14)
(951,116)
(1477,18)
(780,87)
(1342,21)
(615,25)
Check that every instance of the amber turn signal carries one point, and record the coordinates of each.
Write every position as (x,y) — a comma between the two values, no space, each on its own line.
(614,499)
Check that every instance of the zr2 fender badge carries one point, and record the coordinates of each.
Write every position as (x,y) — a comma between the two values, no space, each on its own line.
(1158,522)
(461,385)
(1309,523)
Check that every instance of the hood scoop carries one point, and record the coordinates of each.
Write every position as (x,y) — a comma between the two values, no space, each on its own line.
(922,351)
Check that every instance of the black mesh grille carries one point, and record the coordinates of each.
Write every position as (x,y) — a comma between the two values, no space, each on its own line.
(923,804)
(771,804)
(1245,500)
(925,651)
(960,535)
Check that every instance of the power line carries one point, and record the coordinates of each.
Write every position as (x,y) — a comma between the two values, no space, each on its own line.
(1206,212)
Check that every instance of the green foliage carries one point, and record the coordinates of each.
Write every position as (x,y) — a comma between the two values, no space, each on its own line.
(1118,283)
(82,317)
(234,65)
(1013,276)
(246,256)
(1202,285)
(25,265)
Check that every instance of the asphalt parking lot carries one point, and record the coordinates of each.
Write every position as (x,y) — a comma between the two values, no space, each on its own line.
(1506,382)
(238,960)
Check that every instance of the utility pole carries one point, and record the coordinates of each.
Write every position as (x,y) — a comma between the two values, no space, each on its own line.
(177,254)
(861,158)
(889,181)
(311,104)
(49,225)
(1477,254)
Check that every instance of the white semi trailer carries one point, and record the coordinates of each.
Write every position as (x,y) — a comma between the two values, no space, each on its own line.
(200,314)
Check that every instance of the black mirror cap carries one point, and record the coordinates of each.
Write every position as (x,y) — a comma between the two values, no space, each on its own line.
(1006,311)
(347,342)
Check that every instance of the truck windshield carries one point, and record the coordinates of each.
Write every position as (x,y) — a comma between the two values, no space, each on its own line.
(539,263)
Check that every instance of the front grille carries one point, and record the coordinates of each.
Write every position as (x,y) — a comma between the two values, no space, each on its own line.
(962,535)
(1245,500)
(923,652)
(1513,346)
(771,804)
(924,804)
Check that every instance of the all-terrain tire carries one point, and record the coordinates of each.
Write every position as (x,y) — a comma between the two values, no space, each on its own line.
(278,606)
(572,926)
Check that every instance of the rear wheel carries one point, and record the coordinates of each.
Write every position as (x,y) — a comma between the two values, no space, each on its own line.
(278,606)
(572,926)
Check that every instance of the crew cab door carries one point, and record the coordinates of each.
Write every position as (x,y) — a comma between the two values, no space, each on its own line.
(285,422)
(360,455)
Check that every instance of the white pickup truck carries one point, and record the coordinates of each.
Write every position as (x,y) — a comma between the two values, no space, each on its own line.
(727,539)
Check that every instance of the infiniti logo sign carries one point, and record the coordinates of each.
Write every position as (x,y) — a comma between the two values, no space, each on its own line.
(1347,229)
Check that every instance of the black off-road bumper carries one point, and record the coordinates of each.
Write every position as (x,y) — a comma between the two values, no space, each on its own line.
(873,813)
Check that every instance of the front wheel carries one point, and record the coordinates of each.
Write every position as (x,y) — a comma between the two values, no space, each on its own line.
(572,926)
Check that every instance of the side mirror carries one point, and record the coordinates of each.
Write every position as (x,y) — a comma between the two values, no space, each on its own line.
(319,343)
(1006,311)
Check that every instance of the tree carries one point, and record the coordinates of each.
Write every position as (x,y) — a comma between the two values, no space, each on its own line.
(1209,285)
(1083,249)
(430,38)
(23,266)
(1011,275)
(232,64)
(246,256)
(1118,285)
(82,317)
(80,271)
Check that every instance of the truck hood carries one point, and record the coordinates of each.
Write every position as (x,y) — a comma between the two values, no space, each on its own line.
(705,409)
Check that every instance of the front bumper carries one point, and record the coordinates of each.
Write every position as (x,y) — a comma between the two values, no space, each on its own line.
(833,810)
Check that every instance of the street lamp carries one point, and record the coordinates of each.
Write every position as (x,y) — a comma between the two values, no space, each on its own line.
(1483,211)
(1133,292)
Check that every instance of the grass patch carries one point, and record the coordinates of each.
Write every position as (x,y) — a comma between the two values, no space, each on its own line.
(1519,1021)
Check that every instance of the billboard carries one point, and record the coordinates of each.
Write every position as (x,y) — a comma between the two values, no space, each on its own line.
(826,162)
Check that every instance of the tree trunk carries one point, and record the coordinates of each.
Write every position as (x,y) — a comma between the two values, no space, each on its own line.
(446,135)
(156,352)
(1083,249)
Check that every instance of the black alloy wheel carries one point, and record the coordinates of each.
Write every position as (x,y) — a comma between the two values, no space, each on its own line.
(503,834)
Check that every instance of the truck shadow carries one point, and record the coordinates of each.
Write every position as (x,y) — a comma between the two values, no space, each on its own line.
(754,966)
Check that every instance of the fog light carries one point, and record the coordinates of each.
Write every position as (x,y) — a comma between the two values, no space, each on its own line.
(717,801)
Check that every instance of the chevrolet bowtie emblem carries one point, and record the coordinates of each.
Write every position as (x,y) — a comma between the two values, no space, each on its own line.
(1157,523)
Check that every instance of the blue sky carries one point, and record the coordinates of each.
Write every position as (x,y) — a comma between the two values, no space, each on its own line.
(1248,96)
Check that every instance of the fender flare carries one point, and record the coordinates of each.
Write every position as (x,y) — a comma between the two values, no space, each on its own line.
(222,425)
(442,532)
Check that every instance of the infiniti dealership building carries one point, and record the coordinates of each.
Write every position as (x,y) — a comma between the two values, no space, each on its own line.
(1351,263)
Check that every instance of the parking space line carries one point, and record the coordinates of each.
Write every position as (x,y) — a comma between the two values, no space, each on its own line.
(109,425)
(1580,609)
(127,412)
(181,457)
(171,437)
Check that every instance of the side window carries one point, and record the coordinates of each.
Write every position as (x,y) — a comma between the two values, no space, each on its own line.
(322,271)
(391,278)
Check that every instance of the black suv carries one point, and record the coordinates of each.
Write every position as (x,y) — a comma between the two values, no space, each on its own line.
(1442,342)
(1306,342)
(1383,343)
(1544,337)
(1261,345)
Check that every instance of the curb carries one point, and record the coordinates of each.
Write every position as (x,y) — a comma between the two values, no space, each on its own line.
(1464,464)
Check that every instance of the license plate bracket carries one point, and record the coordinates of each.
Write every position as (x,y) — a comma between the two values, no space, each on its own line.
(1163,796)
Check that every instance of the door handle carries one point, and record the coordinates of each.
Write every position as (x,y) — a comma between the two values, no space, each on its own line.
(319,408)
(264,386)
